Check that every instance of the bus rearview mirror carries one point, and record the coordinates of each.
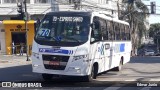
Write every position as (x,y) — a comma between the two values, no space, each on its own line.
(92,39)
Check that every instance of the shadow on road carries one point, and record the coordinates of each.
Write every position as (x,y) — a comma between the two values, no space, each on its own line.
(23,74)
(17,73)
(146,59)
(141,71)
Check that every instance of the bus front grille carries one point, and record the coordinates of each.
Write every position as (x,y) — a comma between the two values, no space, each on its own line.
(55,62)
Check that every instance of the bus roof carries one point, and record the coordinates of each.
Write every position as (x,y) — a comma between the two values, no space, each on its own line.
(89,13)
(109,17)
(83,13)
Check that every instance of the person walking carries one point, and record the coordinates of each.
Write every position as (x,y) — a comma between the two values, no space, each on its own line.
(21,49)
(13,48)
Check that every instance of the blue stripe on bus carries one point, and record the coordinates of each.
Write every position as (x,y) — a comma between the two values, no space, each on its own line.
(62,51)
(122,47)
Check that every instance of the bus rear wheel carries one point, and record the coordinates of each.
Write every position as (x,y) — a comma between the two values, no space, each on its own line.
(47,77)
(119,67)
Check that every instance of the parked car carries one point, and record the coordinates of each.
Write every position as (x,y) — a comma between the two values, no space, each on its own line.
(149,52)
(141,52)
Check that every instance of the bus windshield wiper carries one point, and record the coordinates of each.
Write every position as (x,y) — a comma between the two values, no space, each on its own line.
(71,38)
(49,37)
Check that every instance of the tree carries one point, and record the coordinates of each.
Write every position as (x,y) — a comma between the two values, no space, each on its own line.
(154,28)
(154,32)
(136,14)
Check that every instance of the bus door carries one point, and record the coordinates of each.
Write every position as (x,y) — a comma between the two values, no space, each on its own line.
(97,47)
(107,55)
(97,54)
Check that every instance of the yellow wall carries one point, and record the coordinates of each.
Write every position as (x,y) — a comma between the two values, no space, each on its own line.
(17,26)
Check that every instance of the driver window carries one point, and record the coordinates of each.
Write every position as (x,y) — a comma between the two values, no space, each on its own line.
(96,32)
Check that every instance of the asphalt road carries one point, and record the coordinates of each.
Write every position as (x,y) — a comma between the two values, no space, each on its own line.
(139,71)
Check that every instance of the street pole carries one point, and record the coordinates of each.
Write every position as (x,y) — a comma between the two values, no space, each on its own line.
(26,18)
(157,46)
(118,9)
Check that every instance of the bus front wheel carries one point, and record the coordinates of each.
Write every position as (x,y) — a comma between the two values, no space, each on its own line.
(47,77)
(93,74)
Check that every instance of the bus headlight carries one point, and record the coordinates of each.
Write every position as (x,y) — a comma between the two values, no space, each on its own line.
(79,57)
(35,55)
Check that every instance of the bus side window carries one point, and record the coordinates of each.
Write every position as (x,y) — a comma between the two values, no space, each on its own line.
(97,32)
(127,32)
(104,31)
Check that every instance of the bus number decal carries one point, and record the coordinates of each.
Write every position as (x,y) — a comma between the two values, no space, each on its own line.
(101,49)
(45,32)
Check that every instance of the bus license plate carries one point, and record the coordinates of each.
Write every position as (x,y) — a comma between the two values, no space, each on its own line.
(56,63)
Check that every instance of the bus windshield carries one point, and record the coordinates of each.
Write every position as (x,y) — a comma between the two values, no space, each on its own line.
(57,28)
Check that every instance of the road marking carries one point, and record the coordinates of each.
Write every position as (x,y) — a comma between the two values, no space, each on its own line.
(112,88)
(146,88)
(115,86)
(131,80)
(158,79)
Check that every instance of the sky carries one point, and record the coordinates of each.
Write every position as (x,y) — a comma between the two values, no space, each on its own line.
(154,18)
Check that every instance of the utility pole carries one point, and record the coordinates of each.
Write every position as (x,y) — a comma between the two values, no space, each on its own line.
(26,19)
(153,7)
(157,37)
(157,46)
(118,9)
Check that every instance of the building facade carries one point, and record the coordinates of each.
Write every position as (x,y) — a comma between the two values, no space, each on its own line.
(37,9)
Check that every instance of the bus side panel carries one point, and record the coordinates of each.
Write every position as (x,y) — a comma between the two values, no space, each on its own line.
(121,51)
(107,55)
(96,55)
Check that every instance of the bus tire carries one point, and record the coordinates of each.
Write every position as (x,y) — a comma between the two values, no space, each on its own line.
(93,74)
(119,68)
(47,77)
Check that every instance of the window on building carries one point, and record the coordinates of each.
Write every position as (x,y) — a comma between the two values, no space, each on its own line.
(106,1)
(42,1)
(71,1)
(28,1)
(15,1)
(9,1)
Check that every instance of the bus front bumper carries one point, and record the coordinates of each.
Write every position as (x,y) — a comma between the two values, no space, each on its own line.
(69,71)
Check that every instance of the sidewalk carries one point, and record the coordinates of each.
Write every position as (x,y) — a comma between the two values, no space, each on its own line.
(13,60)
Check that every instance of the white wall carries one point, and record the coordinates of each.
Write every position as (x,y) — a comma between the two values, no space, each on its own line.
(2,40)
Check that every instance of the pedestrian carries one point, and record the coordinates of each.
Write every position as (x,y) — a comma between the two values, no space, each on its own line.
(21,49)
(13,48)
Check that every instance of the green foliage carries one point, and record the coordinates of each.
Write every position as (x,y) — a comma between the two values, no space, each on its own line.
(136,14)
(154,28)
(141,46)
